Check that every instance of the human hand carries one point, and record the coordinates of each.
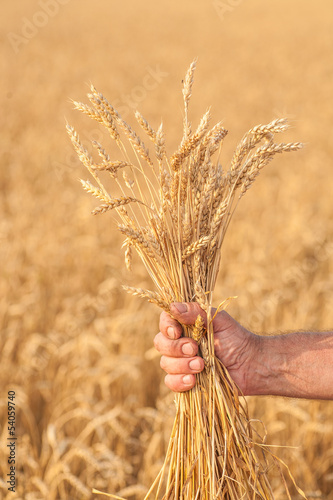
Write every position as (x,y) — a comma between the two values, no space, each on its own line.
(235,346)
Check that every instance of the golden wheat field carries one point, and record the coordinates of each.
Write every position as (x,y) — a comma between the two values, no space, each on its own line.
(91,408)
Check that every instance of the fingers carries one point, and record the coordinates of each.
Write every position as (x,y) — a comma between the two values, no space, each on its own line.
(169,326)
(180,361)
(180,383)
(179,358)
(176,348)
(182,366)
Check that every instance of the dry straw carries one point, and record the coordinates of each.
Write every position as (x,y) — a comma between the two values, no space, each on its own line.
(175,212)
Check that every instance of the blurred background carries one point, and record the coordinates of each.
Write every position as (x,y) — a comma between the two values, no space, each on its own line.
(91,406)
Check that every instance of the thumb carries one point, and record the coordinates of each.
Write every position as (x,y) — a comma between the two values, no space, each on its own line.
(187,312)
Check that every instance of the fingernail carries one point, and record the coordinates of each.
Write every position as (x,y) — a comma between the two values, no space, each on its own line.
(195,364)
(187,380)
(171,332)
(188,349)
(181,307)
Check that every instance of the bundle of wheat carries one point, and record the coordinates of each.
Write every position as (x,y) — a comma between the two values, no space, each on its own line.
(175,212)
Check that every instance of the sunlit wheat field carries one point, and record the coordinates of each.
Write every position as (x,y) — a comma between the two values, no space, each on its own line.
(91,408)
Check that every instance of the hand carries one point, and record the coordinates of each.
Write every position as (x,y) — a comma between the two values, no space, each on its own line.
(235,346)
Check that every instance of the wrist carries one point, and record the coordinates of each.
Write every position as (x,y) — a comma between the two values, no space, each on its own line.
(267,365)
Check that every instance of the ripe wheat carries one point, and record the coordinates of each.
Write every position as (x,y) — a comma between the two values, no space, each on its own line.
(177,212)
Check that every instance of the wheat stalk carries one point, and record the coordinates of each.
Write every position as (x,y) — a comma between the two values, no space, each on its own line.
(177,226)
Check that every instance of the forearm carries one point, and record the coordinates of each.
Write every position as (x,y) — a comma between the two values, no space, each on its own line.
(298,365)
